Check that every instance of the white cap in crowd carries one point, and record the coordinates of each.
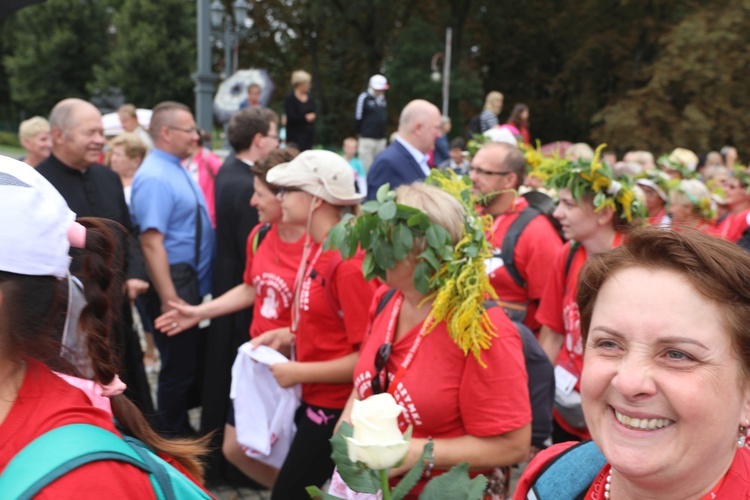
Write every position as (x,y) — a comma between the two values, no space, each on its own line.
(34,223)
(378,82)
(320,173)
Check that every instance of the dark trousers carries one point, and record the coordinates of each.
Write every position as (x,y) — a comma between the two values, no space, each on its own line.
(179,358)
(309,460)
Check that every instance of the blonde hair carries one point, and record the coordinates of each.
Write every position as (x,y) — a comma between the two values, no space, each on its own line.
(134,146)
(33,126)
(491,101)
(442,209)
(300,76)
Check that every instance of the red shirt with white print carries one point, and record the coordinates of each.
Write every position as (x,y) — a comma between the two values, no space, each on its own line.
(323,335)
(559,311)
(271,270)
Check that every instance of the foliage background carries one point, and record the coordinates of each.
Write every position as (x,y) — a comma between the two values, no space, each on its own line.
(633,73)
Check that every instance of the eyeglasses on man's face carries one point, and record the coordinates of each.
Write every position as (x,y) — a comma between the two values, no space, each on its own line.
(481,171)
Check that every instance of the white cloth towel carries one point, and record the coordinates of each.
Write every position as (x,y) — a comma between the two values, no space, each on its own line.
(263,411)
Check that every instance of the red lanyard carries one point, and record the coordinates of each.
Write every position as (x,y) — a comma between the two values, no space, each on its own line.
(390,333)
(303,274)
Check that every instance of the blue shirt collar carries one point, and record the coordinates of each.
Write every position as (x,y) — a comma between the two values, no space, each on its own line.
(168,157)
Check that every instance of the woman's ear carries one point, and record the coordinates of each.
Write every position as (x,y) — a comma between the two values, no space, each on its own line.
(605,216)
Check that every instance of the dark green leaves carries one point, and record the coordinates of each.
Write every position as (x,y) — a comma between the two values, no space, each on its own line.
(455,484)
(422,275)
(387,211)
(403,241)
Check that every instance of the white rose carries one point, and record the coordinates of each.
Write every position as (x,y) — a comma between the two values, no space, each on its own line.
(377,441)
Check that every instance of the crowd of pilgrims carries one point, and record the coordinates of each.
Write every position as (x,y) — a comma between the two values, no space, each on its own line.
(317,308)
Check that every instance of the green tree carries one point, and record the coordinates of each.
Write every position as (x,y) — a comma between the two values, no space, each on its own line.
(51,50)
(695,95)
(153,54)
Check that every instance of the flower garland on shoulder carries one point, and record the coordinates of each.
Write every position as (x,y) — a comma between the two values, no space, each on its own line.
(453,276)
(594,178)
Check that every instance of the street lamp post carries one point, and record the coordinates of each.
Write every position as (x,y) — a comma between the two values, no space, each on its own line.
(213,21)
(232,32)
(446,76)
(204,79)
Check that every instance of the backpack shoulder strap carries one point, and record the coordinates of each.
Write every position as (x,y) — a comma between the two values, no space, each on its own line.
(569,474)
(511,240)
(259,235)
(59,451)
(384,300)
(571,255)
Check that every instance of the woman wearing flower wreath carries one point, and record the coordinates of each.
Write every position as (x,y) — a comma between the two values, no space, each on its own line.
(595,210)
(691,206)
(274,250)
(666,390)
(329,314)
(456,368)
(736,226)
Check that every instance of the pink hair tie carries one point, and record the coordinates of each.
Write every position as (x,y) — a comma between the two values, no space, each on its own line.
(114,388)
(77,235)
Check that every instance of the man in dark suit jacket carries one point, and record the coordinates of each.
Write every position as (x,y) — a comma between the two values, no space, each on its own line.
(405,160)
(253,134)
(93,190)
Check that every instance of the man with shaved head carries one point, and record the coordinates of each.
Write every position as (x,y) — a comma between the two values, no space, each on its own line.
(405,159)
(93,190)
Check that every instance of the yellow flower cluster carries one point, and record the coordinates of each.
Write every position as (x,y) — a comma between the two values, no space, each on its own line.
(465,285)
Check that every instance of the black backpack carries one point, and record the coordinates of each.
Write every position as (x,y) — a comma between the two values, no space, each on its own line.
(541,375)
(539,204)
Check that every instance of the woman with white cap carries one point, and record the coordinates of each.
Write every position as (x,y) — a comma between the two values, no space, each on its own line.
(37,230)
(656,191)
(329,314)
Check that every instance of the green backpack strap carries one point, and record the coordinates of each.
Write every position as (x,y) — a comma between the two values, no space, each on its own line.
(59,451)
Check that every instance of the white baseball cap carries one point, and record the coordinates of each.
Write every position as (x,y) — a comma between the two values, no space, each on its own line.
(321,173)
(378,82)
(34,223)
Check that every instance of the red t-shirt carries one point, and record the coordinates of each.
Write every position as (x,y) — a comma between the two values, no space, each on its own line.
(735,485)
(732,227)
(324,336)
(272,270)
(45,402)
(536,248)
(559,311)
(444,392)
(658,219)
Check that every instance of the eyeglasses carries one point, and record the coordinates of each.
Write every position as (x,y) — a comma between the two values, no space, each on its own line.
(381,360)
(283,191)
(272,136)
(482,171)
(191,130)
